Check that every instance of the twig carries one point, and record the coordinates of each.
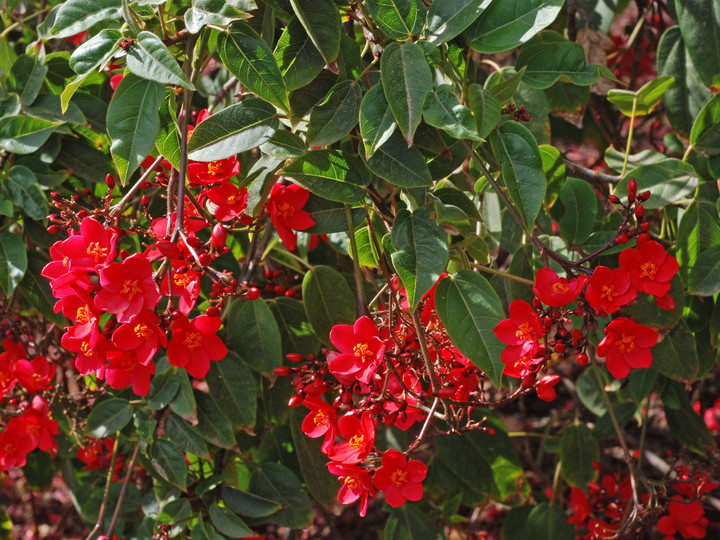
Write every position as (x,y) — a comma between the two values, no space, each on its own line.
(106,492)
(590,175)
(123,491)
(116,209)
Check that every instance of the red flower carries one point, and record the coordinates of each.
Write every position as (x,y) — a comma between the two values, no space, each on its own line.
(545,387)
(15,444)
(360,438)
(356,484)
(609,290)
(285,208)
(125,369)
(91,352)
(650,267)
(76,39)
(128,288)
(210,172)
(230,201)
(361,348)
(626,345)
(39,425)
(142,336)
(35,375)
(321,420)
(521,333)
(686,518)
(400,479)
(194,344)
(581,507)
(557,291)
(187,285)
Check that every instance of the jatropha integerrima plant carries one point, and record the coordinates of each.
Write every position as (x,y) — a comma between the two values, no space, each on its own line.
(263,261)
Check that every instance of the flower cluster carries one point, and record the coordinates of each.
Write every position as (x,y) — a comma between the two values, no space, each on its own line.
(686,514)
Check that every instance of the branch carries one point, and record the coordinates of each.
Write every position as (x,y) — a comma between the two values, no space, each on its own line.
(590,175)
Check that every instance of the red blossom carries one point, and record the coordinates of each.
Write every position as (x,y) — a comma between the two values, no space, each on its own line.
(650,267)
(125,369)
(195,343)
(521,333)
(360,438)
(128,288)
(545,387)
(229,201)
(609,290)
(285,206)
(202,173)
(15,444)
(356,484)
(688,519)
(557,291)
(39,425)
(627,345)
(400,479)
(142,336)
(186,285)
(35,375)
(320,421)
(361,351)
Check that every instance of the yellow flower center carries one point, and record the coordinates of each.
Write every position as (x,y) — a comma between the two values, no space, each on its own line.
(142,331)
(648,270)
(399,477)
(98,252)
(626,344)
(84,315)
(560,288)
(215,168)
(284,210)
(363,352)
(181,280)
(524,331)
(85,348)
(351,482)
(357,442)
(320,418)
(193,340)
(608,293)
(130,288)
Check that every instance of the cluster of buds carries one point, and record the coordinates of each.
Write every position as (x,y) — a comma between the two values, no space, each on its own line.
(519,115)
(634,208)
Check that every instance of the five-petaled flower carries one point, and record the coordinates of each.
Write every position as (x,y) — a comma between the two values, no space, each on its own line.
(321,420)
(128,288)
(400,479)
(557,291)
(359,434)
(285,206)
(650,267)
(609,290)
(521,333)
(688,519)
(361,351)
(230,202)
(627,345)
(194,344)
(356,484)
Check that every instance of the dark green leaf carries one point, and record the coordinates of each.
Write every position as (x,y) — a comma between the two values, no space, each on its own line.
(48,107)
(503,85)
(169,462)
(470,309)
(580,208)
(578,451)
(321,20)
(35,288)
(163,389)
(185,437)
(705,134)
(406,80)
(686,425)
(254,333)
(676,356)
(10,105)
(410,522)
(248,57)
(298,59)
(238,128)
(149,58)
(699,230)
(278,483)
(447,18)
(213,425)
(38,471)
(329,174)
(24,134)
(133,122)
(377,122)
(74,16)
(84,161)
(284,144)
(334,119)
(328,300)
(27,76)
(547,63)
(507,24)
(248,504)
(700,28)
(232,384)
(168,140)
(183,404)
(400,165)
(443,110)
(646,99)
(108,417)
(645,308)
(13,261)
(421,252)
(604,427)
(669,180)
(486,108)
(297,335)
(704,277)
(518,153)
(228,523)
(330,216)
(217,12)
(399,19)
(548,522)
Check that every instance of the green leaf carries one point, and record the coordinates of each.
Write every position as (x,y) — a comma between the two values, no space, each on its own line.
(228,523)
(133,122)
(149,58)
(641,382)
(470,309)
(669,181)
(399,19)
(168,140)
(507,24)
(321,20)
(337,115)
(213,425)
(84,161)
(24,134)
(699,230)
(27,77)
(254,334)
(676,356)
(246,55)
(698,20)
(248,504)
(39,471)
(421,252)
(377,122)
(297,334)
(410,522)
(548,522)
(329,174)
(578,451)
(518,153)
(278,483)
(647,97)
(406,80)
(48,106)
(704,277)
(237,128)
(13,261)
(35,288)
(547,63)
(705,134)
(447,18)
(503,84)
(74,16)
(645,308)
(330,216)
(313,464)
(298,59)
(183,404)
(686,425)
(217,12)
(231,383)
(10,105)
(486,108)
(26,193)
(443,110)
(400,165)
(108,417)
(169,462)
(579,202)
(185,437)
(328,300)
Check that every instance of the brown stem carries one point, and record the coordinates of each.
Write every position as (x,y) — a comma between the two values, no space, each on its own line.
(116,209)
(590,175)
(106,492)
(123,491)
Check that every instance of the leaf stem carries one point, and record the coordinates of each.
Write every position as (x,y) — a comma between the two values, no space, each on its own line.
(630,136)
(495,272)
(359,290)
(116,209)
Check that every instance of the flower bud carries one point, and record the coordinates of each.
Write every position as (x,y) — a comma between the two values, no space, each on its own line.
(639,211)
(219,235)
(110,181)
(296,400)
(614,199)
(632,186)
(621,239)
(282,371)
